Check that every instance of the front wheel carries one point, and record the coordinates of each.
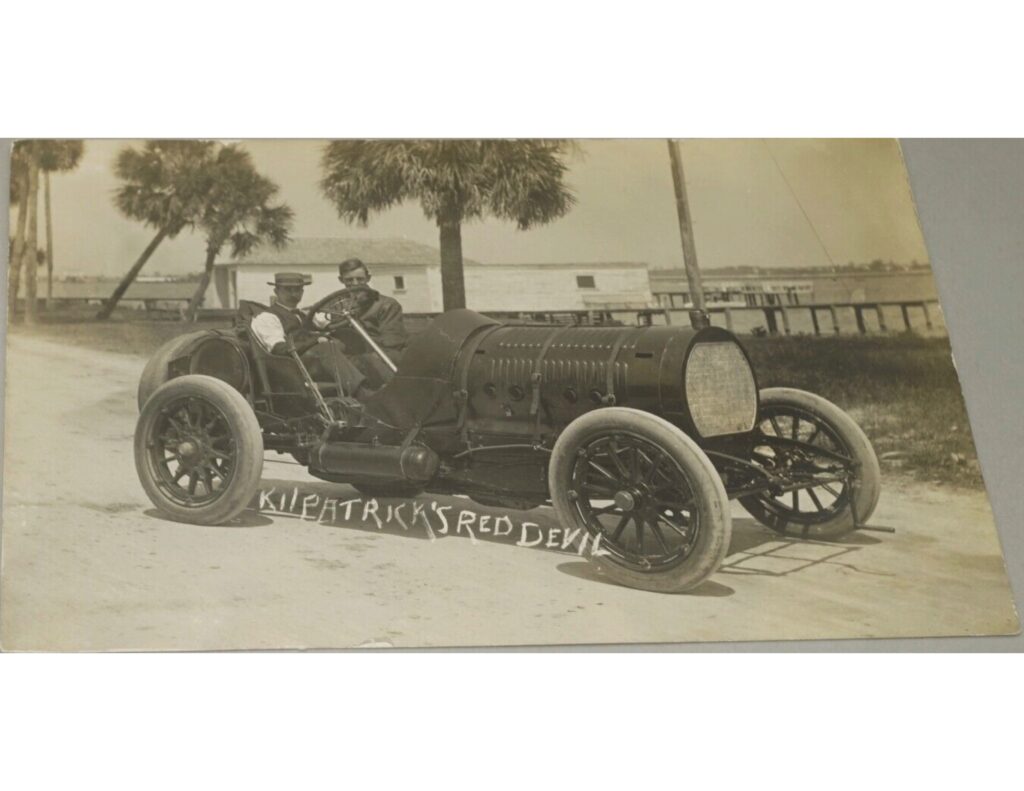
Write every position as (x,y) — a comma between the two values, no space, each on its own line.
(648,497)
(809,440)
(199,450)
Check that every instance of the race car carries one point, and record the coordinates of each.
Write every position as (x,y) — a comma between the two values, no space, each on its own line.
(637,436)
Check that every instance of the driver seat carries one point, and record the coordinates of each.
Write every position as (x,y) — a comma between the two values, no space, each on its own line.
(279,378)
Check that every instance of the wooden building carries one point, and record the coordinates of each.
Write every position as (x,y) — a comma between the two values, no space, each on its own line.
(411,273)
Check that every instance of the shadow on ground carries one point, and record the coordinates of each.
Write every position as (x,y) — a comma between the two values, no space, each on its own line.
(756,550)
(247,518)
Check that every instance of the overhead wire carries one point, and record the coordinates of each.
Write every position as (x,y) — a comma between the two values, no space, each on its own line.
(800,205)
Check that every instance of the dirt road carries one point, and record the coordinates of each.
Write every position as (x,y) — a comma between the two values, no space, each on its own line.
(89,564)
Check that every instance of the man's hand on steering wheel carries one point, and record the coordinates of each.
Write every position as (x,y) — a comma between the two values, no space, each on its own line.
(337,325)
(323,321)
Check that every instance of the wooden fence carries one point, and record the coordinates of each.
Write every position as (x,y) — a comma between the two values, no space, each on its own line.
(818,319)
(825,317)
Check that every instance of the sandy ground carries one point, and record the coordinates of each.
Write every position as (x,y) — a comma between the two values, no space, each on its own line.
(89,564)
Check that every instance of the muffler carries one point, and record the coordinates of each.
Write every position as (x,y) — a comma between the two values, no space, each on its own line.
(377,463)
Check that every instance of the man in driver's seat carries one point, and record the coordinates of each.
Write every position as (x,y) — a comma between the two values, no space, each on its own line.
(379,315)
(283,328)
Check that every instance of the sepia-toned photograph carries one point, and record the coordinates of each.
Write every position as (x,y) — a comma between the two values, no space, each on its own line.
(389,393)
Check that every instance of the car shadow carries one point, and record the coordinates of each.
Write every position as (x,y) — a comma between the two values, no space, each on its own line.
(753,550)
(757,550)
(591,573)
(247,518)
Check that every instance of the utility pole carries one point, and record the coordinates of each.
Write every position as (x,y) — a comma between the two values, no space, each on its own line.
(686,233)
(49,242)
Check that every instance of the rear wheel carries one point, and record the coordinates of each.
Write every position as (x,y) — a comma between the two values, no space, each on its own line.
(199,450)
(648,497)
(802,435)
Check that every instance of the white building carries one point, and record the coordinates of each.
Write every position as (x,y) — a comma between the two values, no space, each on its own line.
(411,273)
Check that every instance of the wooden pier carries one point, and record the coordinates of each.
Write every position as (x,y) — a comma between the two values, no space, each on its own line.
(824,317)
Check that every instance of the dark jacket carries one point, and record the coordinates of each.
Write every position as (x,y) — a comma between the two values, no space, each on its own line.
(381,316)
(382,319)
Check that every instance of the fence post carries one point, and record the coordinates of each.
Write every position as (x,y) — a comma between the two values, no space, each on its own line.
(859,316)
(785,319)
(881,319)
(927,316)
(769,317)
(906,316)
(835,318)
(814,321)
(728,319)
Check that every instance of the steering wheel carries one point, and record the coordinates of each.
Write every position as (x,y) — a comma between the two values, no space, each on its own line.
(336,302)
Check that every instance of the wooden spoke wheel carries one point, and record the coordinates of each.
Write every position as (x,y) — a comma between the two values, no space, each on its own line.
(648,497)
(813,443)
(199,450)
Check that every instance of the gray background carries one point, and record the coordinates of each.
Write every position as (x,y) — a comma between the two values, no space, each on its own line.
(969,200)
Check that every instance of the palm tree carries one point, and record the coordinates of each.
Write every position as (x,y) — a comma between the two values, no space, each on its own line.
(20,157)
(55,156)
(454,181)
(30,250)
(25,247)
(237,210)
(164,187)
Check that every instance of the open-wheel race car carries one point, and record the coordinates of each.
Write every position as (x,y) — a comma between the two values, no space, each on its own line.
(638,436)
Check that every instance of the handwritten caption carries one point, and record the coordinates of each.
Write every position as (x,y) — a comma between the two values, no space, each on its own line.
(434,518)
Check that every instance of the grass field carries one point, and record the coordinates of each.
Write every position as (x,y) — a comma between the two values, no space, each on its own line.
(902,389)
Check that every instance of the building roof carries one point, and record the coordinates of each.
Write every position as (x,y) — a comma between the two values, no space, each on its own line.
(311,251)
(329,250)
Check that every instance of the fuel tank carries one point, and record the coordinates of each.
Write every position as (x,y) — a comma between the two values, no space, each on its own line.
(495,379)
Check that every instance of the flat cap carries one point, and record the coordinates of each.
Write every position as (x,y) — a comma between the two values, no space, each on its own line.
(291,279)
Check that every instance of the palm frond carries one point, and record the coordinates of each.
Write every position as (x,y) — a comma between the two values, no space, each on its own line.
(60,155)
(453,180)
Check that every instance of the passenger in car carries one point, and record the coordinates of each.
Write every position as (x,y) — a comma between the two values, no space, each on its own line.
(283,328)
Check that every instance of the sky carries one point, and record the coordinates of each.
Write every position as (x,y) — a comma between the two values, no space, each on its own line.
(754,202)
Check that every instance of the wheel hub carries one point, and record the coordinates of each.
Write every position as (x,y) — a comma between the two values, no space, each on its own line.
(633,495)
(625,500)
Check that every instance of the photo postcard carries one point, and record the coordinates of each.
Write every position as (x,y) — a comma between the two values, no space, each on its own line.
(329,394)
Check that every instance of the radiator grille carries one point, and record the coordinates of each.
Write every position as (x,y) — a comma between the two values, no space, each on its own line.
(720,389)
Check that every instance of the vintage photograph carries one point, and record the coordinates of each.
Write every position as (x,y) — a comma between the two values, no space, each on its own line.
(299,394)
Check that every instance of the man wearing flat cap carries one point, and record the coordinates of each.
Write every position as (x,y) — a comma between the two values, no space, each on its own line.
(283,328)
(379,315)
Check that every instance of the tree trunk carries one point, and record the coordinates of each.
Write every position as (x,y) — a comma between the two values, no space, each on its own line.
(128,279)
(204,283)
(49,241)
(30,254)
(453,287)
(17,249)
